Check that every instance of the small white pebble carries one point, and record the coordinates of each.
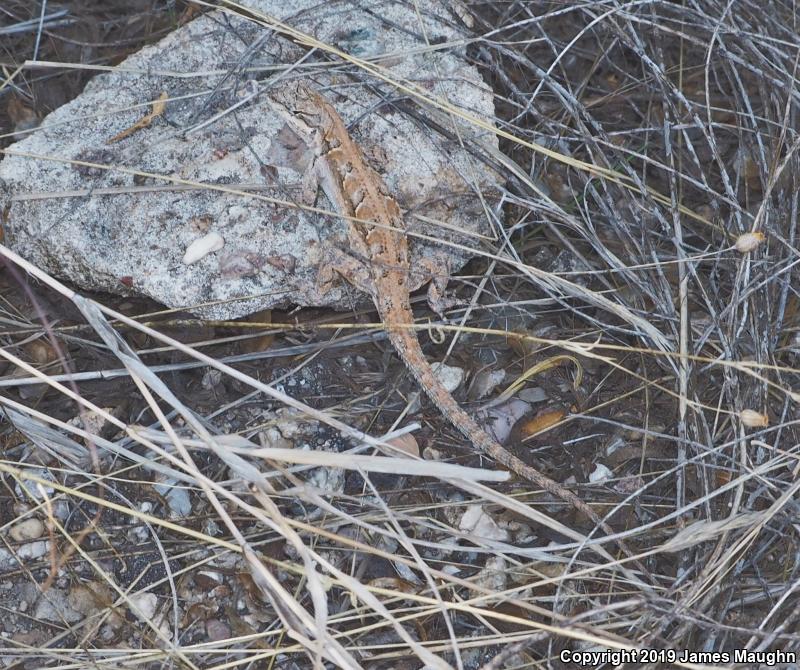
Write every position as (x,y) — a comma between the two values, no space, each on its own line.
(146,603)
(203,246)
(450,376)
(31,487)
(600,474)
(34,549)
(476,521)
(30,529)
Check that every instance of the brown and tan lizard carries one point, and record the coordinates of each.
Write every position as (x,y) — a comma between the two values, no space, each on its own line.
(379,260)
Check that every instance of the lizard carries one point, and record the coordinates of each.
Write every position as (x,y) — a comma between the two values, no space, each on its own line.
(378,261)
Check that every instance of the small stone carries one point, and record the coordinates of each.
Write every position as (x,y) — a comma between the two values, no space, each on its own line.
(450,376)
(145,603)
(217,630)
(477,522)
(29,529)
(203,246)
(148,241)
(601,473)
(33,550)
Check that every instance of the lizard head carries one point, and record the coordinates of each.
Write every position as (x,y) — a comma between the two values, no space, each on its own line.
(297,98)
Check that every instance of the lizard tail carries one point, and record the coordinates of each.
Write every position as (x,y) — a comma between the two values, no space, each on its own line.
(410,351)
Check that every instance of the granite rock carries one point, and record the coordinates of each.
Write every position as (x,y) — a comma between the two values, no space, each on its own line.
(104,199)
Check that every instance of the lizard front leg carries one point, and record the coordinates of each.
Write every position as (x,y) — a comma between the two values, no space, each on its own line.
(338,264)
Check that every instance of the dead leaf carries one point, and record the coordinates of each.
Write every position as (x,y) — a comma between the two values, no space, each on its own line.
(542,366)
(541,422)
(158,109)
(41,352)
(22,116)
(262,342)
(406,443)
(393,584)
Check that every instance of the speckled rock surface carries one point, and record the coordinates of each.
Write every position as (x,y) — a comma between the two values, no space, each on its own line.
(207,166)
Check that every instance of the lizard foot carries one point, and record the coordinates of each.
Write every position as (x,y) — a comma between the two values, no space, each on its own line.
(337,264)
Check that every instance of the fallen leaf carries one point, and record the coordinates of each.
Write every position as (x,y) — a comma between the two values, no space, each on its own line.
(41,352)
(543,421)
(393,584)
(406,443)
(158,109)
(542,366)
(261,342)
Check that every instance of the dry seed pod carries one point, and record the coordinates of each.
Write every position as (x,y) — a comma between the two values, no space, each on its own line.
(749,241)
(753,419)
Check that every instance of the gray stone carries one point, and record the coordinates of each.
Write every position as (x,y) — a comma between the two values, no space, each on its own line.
(53,605)
(197,170)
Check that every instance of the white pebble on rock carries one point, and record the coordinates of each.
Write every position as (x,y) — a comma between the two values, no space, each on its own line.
(203,246)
